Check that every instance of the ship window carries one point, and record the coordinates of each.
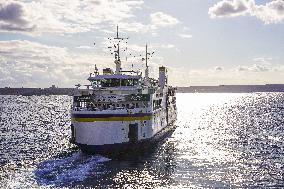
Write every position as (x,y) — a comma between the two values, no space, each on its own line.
(131,106)
(129,82)
(135,82)
(96,83)
(110,82)
(157,104)
(104,106)
(124,82)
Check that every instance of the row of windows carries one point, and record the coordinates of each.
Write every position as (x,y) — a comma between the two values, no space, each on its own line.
(115,82)
(111,106)
(103,106)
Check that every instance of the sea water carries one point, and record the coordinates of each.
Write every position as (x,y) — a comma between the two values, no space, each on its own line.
(221,140)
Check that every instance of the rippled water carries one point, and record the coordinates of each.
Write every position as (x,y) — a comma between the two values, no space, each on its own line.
(222,140)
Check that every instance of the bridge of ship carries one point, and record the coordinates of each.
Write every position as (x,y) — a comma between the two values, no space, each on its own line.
(100,101)
(115,80)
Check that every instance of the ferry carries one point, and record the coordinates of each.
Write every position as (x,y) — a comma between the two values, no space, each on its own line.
(121,111)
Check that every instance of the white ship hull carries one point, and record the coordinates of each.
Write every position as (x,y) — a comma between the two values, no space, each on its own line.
(120,132)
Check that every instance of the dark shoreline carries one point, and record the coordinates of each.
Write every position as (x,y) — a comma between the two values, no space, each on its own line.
(36,91)
(190,89)
(233,88)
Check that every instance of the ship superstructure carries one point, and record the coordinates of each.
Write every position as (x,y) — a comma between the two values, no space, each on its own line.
(121,110)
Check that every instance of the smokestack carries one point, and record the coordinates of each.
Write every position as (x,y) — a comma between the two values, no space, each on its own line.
(162,76)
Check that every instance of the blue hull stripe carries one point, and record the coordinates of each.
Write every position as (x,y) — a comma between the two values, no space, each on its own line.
(110,115)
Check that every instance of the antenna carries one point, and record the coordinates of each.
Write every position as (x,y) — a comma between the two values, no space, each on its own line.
(117,32)
(96,70)
(116,46)
(147,58)
(117,51)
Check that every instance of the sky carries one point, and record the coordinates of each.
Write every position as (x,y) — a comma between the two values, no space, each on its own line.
(201,42)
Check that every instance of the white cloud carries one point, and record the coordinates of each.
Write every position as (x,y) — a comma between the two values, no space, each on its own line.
(229,8)
(261,70)
(250,74)
(84,47)
(25,63)
(218,69)
(261,64)
(64,16)
(166,46)
(184,35)
(271,12)
(163,20)
(254,68)
(31,64)
(72,16)
(158,20)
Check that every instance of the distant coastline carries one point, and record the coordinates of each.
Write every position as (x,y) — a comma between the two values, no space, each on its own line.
(191,89)
(233,88)
(36,91)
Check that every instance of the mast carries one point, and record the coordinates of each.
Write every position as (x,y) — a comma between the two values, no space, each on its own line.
(147,67)
(117,60)
(117,56)
(147,54)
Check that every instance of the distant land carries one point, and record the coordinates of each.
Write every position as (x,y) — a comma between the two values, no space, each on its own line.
(233,88)
(191,89)
(36,91)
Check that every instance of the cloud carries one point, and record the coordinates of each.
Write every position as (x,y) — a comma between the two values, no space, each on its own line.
(271,12)
(12,17)
(163,20)
(263,60)
(31,64)
(167,46)
(84,47)
(254,73)
(262,64)
(242,68)
(157,20)
(228,8)
(218,68)
(66,16)
(184,35)
(77,16)
(254,68)
(25,63)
